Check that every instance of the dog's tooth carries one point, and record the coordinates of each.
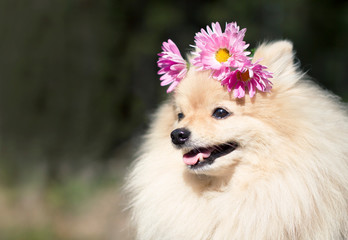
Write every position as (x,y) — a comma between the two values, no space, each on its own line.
(201,158)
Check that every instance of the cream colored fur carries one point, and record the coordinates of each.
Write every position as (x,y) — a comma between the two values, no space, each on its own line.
(288,179)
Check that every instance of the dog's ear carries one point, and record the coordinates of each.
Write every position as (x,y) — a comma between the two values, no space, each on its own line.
(278,57)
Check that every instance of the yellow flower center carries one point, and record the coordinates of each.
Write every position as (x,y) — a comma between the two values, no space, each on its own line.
(243,76)
(222,55)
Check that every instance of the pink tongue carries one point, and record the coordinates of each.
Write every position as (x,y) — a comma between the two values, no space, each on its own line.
(192,160)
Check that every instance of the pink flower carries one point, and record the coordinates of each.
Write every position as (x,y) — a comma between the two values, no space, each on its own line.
(172,65)
(224,54)
(220,51)
(251,76)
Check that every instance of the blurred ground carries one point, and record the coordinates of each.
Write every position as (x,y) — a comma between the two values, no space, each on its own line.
(84,206)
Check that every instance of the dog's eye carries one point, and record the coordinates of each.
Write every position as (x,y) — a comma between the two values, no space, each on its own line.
(180,116)
(220,113)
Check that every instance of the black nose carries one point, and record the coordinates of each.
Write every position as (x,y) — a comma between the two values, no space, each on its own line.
(180,136)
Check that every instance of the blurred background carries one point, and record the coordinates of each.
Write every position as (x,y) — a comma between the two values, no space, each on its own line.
(78,80)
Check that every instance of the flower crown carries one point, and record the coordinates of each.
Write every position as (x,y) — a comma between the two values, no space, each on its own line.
(224,54)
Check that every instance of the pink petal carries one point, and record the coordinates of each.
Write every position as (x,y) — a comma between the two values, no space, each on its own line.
(252,89)
(172,86)
(172,66)
(239,90)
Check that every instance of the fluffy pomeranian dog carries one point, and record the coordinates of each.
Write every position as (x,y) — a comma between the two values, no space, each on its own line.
(217,167)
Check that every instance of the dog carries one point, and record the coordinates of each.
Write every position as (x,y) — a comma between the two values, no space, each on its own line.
(217,167)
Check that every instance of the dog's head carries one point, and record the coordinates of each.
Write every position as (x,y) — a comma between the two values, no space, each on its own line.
(214,130)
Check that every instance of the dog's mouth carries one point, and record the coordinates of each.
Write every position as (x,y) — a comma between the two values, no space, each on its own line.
(199,157)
